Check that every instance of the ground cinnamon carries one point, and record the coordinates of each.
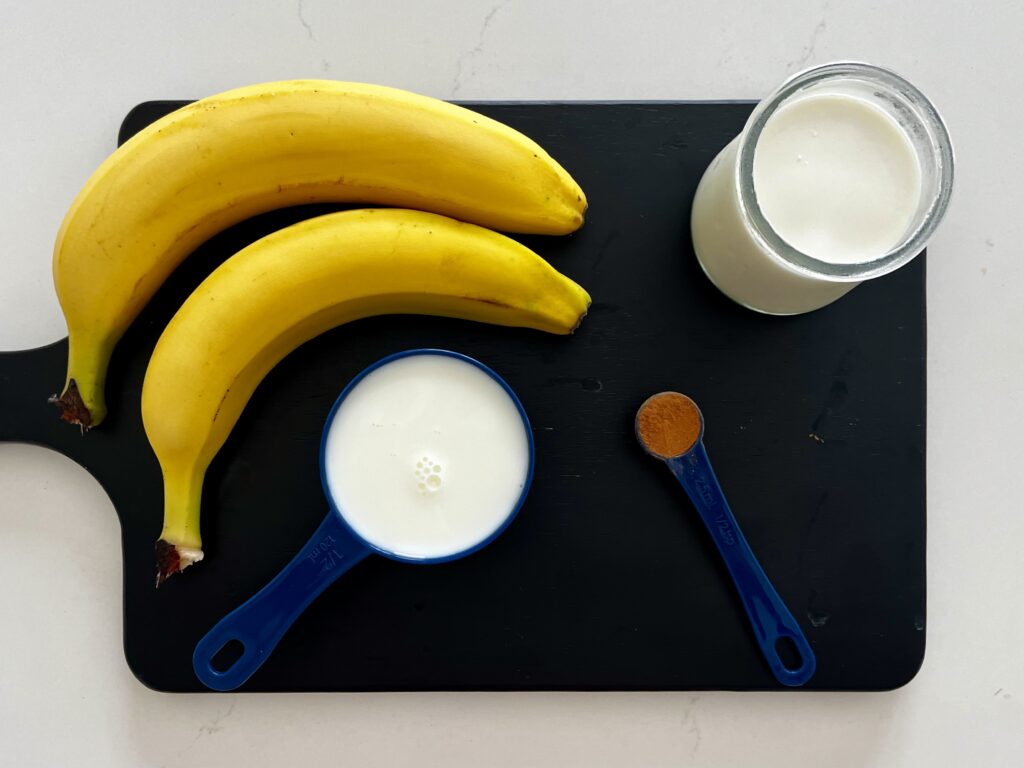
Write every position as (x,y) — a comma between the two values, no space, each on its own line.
(668,424)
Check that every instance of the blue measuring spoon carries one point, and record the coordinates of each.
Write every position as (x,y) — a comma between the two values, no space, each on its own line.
(260,623)
(771,620)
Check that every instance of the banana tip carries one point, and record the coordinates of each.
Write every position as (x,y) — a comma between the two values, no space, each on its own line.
(172,559)
(72,408)
(582,316)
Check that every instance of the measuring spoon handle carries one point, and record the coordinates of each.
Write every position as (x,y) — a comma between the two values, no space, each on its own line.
(260,622)
(769,616)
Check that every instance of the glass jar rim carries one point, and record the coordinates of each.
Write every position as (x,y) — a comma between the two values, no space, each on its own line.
(909,246)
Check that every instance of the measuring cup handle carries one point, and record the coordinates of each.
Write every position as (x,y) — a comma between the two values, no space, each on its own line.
(769,616)
(260,623)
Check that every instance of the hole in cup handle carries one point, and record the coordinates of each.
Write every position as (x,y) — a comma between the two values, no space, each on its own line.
(792,661)
(224,661)
(227,656)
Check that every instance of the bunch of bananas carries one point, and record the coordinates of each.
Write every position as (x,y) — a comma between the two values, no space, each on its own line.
(226,158)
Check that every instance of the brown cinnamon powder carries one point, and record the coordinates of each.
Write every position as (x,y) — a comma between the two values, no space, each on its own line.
(668,424)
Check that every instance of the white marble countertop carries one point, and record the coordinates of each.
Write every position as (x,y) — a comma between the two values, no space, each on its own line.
(72,70)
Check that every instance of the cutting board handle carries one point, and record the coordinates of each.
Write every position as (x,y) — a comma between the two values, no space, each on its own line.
(27,379)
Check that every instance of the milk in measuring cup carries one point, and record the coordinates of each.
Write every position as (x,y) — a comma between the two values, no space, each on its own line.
(426,456)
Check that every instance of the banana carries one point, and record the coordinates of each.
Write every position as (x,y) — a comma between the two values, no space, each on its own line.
(292,285)
(225,158)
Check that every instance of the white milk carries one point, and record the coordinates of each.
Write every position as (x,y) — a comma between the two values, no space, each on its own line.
(836,178)
(426,456)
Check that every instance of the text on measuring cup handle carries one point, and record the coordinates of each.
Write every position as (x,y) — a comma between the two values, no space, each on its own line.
(325,555)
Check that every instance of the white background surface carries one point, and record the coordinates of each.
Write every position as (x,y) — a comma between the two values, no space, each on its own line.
(70,71)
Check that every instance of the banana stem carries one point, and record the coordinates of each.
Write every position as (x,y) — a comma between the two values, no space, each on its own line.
(180,543)
(82,400)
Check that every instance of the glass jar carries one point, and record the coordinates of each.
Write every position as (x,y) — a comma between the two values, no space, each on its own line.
(744,255)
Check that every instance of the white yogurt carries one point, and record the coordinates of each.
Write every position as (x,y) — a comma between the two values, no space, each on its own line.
(427,456)
(835,177)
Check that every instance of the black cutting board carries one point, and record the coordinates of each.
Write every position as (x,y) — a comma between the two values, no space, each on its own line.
(607,579)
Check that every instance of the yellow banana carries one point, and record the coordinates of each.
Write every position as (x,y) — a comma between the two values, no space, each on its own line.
(283,290)
(225,158)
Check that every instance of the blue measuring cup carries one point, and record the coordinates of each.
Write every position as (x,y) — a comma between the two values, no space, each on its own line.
(771,620)
(260,623)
